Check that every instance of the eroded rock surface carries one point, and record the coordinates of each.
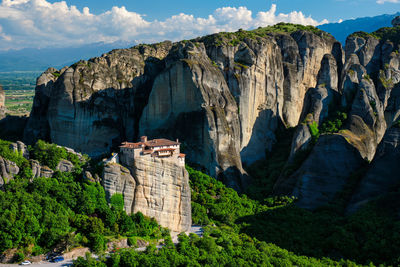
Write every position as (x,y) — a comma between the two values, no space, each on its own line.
(224,96)
(224,99)
(396,21)
(118,179)
(7,170)
(323,174)
(157,187)
(384,173)
(369,96)
(39,170)
(20,147)
(65,166)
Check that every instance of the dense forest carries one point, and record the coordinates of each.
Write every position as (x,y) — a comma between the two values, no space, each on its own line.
(66,211)
(245,232)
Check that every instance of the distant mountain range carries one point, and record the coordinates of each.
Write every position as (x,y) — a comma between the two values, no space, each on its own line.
(368,24)
(32,59)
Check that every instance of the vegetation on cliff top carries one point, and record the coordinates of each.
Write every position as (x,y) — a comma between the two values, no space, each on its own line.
(234,38)
(391,34)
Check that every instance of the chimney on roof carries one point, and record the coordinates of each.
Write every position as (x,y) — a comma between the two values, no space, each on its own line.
(177,140)
(143,139)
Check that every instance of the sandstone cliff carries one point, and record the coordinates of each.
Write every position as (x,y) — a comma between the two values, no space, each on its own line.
(225,96)
(222,95)
(7,171)
(368,93)
(157,187)
(383,175)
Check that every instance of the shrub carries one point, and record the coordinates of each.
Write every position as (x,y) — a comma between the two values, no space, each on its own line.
(132,241)
(117,201)
(314,130)
(48,154)
(334,123)
(18,257)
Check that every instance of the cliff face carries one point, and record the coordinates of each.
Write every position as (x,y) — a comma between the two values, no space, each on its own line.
(117,179)
(157,187)
(7,171)
(92,106)
(269,77)
(383,175)
(368,93)
(226,95)
(222,96)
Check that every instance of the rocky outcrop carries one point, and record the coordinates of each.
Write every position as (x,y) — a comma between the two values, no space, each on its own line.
(318,103)
(89,177)
(118,179)
(2,101)
(21,148)
(40,171)
(157,187)
(93,105)
(193,92)
(163,192)
(396,21)
(234,93)
(323,174)
(7,170)
(269,78)
(224,96)
(383,174)
(368,94)
(65,166)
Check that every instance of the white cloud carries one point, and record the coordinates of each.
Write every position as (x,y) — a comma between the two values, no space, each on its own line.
(38,23)
(387,1)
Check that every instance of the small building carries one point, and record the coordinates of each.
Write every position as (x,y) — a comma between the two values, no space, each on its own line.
(161,148)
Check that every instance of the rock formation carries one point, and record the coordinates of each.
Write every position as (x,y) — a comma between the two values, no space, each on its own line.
(233,92)
(323,174)
(157,187)
(20,147)
(7,170)
(396,21)
(40,171)
(65,166)
(369,95)
(225,96)
(2,101)
(384,173)
(118,179)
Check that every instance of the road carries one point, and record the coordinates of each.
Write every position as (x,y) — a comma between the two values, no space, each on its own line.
(195,229)
(43,264)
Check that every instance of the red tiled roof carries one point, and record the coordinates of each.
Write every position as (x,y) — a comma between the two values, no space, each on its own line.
(181,155)
(131,145)
(161,142)
(151,143)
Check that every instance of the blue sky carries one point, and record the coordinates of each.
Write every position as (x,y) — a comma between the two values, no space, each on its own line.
(332,10)
(55,23)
